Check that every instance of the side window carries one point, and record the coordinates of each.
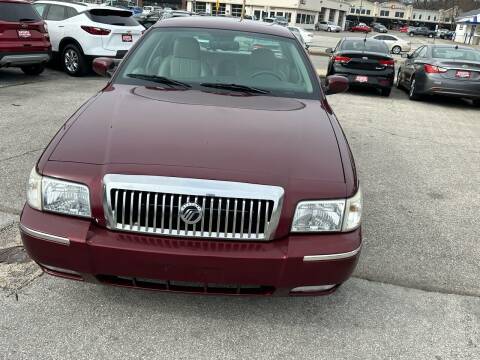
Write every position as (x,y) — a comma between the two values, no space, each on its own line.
(389,38)
(56,13)
(423,52)
(71,12)
(381,37)
(417,52)
(40,9)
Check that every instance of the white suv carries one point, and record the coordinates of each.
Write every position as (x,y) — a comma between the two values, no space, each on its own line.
(80,32)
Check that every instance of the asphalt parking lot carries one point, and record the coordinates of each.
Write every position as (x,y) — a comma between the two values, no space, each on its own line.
(415,293)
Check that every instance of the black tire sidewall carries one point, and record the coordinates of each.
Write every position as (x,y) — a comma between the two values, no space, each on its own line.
(82,66)
(33,69)
(396,47)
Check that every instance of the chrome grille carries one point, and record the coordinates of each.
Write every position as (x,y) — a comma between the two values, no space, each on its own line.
(152,204)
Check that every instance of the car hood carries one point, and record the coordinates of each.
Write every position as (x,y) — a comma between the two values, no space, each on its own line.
(284,138)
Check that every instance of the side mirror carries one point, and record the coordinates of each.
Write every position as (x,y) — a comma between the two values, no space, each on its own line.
(328,51)
(105,66)
(335,84)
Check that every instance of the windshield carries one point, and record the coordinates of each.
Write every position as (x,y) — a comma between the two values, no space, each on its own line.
(365,45)
(456,54)
(13,12)
(200,56)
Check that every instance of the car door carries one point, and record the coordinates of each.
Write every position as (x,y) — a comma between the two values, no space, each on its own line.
(54,16)
(390,41)
(411,63)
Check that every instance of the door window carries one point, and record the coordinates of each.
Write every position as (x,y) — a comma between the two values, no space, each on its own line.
(56,13)
(40,9)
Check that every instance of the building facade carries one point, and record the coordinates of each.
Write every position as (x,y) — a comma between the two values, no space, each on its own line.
(390,13)
(468,28)
(303,13)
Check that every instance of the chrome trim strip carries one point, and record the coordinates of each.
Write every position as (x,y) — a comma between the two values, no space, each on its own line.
(337,256)
(45,236)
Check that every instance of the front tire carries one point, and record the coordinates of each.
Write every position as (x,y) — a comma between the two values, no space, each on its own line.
(36,69)
(396,50)
(73,61)
(413,93)
(329,29)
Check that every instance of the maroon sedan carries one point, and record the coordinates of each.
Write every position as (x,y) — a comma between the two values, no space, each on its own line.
(361,28)
(210,163)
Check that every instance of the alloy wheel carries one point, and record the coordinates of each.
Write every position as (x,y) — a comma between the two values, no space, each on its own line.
(396,49)
(71,60)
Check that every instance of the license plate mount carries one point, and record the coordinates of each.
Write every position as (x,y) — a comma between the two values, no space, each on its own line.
(361,79)
(462,74)
(24,34)
(127,37)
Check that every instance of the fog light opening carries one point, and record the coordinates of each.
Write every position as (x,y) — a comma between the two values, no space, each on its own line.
(309,289)
(53,270)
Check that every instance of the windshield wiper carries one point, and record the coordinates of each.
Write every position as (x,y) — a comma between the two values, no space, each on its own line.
(236,87)
(160,79)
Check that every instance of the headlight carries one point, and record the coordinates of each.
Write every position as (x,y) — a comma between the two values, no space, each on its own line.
(328,215)
(45,193)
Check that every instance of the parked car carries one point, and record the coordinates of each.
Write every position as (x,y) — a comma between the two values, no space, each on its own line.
(80,32)
(379,28)
(24,40)
(150,184)
(303,35)
(365,62)
(361,28)
(422,31)
(167,14)
(445,34)
(404,29)
(441,70)
(395,44)
(281,20)
(327,26)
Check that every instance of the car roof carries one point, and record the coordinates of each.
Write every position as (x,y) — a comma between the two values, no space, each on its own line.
(79,5)
(448,46)
(237,24)
(361,38)
(15,1)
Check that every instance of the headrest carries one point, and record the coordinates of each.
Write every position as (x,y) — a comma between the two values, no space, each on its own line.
(186,47)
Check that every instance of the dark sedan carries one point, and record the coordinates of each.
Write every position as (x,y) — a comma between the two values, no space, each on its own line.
(365,62)
(441,70)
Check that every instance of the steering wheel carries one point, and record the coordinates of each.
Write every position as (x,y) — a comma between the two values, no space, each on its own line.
(266,72)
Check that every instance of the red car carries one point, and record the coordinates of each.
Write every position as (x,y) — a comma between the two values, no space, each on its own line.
(24,40)
(404,29)
(361,28)
(206,165)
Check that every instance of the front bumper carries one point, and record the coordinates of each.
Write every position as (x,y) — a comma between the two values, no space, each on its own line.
(24,59)
(79,249)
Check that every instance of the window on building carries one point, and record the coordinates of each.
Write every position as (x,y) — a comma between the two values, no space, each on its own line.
(368,12)
(434,18)
(447,19)
(331,16)
(384,13)
(236,10)
(357,11)
(352,11)
(221,9)
(272,14)
(399,14)
(279,13)
(414,16)
(420,17)
(200,7)
(321,15)
(257,13)
(288,16)
(428,17)
(362,12)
